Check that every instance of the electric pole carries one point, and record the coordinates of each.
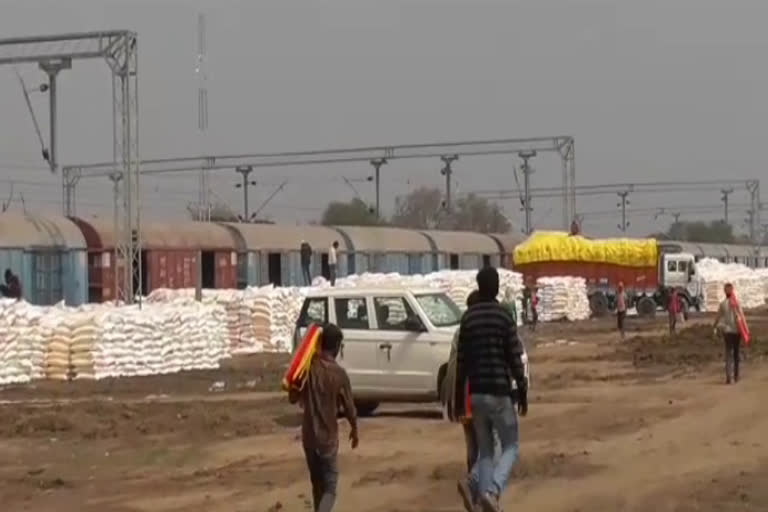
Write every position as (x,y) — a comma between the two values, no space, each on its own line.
(623,205)
(447,172)
(245,170)
(377,163)
(527,171)
(52,69)
(724,198)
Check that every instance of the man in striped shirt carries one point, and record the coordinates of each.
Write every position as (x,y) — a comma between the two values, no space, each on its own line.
(489,354)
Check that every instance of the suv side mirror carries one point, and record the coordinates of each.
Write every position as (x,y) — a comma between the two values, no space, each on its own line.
(412,323)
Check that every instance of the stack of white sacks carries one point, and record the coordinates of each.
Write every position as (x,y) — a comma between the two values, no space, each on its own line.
(21,344)
(748,284)
(99,341)
(258,319)
(563,298)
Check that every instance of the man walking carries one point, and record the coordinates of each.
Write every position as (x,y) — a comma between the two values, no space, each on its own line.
(306,261)
(332,262)
(729,315)
(489,352)
(325,392)
(621,308)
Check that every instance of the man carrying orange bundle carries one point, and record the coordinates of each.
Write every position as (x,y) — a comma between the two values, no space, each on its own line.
(324,393)
(731,323)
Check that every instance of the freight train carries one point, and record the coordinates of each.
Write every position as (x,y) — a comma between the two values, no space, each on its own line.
(72,260)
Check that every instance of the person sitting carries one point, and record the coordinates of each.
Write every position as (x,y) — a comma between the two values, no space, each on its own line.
(12,287)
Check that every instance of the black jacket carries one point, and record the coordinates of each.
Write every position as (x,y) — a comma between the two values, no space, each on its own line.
(489,352)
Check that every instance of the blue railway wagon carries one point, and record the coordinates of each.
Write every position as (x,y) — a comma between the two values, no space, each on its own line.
(48,253)
(385,249)
(465,250)
(270,253)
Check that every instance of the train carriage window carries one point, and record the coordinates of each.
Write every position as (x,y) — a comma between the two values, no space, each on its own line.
(486,260)
(671,266)
(682,266)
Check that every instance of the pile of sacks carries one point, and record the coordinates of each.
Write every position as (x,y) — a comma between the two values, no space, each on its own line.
(563,298)
(748,284)
(99,341)
(258,319)
(21,344)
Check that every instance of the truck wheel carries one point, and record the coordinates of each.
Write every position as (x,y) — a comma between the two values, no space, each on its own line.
(366,408)
(598,303)
(646,307)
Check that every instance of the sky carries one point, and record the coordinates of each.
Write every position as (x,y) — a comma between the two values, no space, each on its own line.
(651,90)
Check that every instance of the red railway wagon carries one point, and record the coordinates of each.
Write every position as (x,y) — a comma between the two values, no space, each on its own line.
(169,256)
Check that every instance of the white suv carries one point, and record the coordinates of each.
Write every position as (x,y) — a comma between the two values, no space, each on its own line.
(397,341)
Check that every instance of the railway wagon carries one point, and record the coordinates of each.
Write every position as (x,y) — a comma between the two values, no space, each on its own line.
(48,254)
(269,253)
(169,255)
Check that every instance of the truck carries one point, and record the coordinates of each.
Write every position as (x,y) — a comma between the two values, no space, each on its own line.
(649,270)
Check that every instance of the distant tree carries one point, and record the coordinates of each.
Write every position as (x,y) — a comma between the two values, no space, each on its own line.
(353,213)
(715,232)
(421,209)
(424,209)
(474,213)
(220,212)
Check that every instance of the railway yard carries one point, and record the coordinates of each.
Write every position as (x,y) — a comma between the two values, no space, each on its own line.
(642,424)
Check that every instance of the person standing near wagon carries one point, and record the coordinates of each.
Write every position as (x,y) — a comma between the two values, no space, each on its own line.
(12,287)
(306,261)
(333,261)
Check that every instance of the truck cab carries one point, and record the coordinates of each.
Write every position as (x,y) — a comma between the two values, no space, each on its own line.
(678,271)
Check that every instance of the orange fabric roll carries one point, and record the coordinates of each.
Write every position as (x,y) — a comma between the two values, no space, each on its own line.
(295,376)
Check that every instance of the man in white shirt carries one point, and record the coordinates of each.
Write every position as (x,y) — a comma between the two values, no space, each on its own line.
(332,261)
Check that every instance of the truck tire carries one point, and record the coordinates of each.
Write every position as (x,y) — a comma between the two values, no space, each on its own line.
(366,408)
(598,303)
(646,307)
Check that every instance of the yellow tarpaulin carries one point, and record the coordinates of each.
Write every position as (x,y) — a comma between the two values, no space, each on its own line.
(560,246)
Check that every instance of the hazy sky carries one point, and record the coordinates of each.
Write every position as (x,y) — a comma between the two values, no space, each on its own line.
(651,90)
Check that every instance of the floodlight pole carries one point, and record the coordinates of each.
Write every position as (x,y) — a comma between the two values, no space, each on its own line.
(525,156)
(52,69)
(377,163)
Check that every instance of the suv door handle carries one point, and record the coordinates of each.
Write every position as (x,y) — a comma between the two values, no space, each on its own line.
(385,345)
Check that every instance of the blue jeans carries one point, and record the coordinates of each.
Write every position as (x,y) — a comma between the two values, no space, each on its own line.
(495,413)
(474,473)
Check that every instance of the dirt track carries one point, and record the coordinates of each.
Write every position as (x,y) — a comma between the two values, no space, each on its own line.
(647,424)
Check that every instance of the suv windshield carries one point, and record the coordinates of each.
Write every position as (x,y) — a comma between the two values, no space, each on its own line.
(440,309)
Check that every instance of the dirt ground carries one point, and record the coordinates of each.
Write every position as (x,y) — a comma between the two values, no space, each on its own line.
(646,424)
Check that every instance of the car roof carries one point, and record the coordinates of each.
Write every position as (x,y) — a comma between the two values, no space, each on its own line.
(379,291)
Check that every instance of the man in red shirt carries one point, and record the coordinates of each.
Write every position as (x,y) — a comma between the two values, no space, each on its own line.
(673,308)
